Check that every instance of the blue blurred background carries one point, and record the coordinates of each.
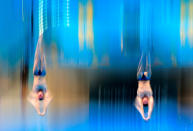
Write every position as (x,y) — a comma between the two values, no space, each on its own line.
(92,50)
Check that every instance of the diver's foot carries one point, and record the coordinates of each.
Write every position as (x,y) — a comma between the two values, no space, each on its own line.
(145,74)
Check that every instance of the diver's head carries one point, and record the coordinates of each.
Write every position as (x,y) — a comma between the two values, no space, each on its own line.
(40,95)
(145,100)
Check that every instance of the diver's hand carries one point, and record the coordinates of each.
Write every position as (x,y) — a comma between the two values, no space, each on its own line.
(37,107)
(139,106)
(42,113)
(32,98)
(150,108)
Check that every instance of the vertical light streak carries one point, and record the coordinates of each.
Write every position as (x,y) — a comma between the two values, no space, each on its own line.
(22,12)
(67,13)
(62,11)
(190,25)
(53,16)
(89,27)
(81,26)
(122,27)
(45,15)
(58,13)
(182,24)
(40,14)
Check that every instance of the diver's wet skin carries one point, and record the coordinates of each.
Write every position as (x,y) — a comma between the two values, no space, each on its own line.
(39,96)
(144,98)
(144,92)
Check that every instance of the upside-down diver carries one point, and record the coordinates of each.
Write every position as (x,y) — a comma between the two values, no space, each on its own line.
(39,96)
(144,92)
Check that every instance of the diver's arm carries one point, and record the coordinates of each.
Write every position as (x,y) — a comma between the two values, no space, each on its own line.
(46,102)
(34,101)
(150,107)
(144,89)
(139,106)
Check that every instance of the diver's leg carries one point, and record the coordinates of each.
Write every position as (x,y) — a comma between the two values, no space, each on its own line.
(144,67)
(148,66)
(39,68)
(43,65)
(37,62)
(140,68)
